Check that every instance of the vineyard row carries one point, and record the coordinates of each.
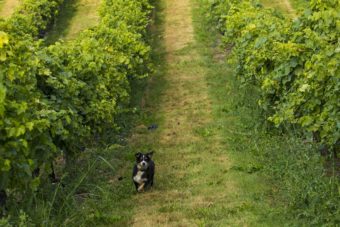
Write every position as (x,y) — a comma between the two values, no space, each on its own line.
(54,98)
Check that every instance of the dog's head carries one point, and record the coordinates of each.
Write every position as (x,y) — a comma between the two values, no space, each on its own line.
(143,160)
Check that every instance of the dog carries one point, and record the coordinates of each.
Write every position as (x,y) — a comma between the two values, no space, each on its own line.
(143,171)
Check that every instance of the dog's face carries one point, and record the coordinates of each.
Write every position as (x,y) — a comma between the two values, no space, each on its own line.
(143,160)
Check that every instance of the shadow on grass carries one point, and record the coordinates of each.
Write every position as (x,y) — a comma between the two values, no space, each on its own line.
(61,25)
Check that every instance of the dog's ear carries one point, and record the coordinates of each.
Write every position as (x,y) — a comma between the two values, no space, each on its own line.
(150,154)
(137,155)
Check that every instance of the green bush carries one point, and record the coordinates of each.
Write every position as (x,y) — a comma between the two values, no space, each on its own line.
(295,63)
(294,66)
(32,17)
(53,99)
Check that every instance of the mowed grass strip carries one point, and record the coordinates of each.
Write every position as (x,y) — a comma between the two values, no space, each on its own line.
(285,6)
(200,181)
(300,4)
(7,7)
(75,16)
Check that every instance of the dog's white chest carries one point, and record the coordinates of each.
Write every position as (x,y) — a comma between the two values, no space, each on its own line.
(138,178)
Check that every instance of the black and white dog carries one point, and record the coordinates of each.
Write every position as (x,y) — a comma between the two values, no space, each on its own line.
(143,171)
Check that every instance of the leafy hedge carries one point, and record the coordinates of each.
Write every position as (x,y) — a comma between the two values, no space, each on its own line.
(55,98)
(294,63)
(32,17)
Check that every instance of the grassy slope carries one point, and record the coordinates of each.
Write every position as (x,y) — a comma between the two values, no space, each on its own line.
(7,7)
(75,16)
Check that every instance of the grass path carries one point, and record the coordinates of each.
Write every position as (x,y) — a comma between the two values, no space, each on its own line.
(75,16)
(195,181)
(288,6)
(182,154)
(300,5)
(7,7)
(283,5)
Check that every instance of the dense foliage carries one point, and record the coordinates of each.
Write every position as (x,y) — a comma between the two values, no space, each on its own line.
(32,17)
(294,63)
(55,98)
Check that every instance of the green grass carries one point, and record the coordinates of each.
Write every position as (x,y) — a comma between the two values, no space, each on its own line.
(254,205)
(296,6)
(75,16)
(284,6)
(300,4)
(61,26)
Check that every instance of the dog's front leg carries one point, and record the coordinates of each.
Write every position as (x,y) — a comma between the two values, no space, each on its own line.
(141,187)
